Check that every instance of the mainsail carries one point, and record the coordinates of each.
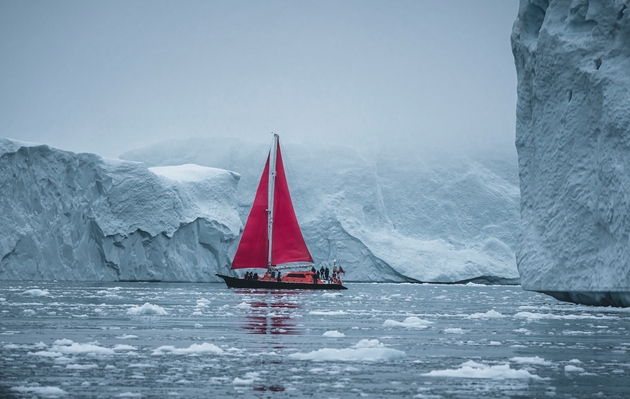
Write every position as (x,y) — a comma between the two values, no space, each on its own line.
(287,242)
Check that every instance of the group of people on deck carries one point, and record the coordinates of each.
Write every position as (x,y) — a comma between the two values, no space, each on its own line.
(251,276)
(324,274)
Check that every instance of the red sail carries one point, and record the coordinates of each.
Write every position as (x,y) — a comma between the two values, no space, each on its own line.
(252,250)
(288,242)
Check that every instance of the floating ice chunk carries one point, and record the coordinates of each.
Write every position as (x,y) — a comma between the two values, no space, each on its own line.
(471,369)
(244,305)
(409,322)
(127,336)
(130,395)
(123,347)
(531,360)
(141,365)
(575,361)
(334,334)
(36,292)
(490,314)
(203,302)
(571,368)
(192,349)
(539,316)
(249,379)
(331,294)
(28,312)
(75,366)
(327,312)
(369,343)
(63,341)
(495,343)
(147,309)
(82,349)
(364,350)
(456,330)
(46,392)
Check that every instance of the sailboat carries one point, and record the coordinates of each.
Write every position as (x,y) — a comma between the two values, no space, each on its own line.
(272,238)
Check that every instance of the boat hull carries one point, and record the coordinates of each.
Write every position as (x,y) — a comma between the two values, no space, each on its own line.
(233,282)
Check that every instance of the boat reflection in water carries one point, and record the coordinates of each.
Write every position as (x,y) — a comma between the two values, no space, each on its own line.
(271,312)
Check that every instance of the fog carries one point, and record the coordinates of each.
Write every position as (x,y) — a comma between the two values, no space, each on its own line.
(107,77)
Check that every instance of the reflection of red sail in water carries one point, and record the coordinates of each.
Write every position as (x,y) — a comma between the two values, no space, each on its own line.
(272,236)
(271,318)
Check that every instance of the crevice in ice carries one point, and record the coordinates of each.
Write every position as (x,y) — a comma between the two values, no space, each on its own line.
(533,18)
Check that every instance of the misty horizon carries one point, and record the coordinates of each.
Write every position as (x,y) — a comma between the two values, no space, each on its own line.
(110,77)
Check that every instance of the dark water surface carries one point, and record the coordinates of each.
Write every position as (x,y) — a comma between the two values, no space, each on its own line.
(375,340)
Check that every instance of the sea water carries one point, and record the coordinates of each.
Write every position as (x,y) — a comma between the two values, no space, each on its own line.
(91,340)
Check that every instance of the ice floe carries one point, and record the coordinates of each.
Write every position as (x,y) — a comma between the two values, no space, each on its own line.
(147,310)
(333,334)
(327,312)
(490,314)
(81,349)
(409,322)
(127,336)
(364,350)
(550,316)
(455,330)
(472,369)
(531,360)
(248,379)
(192,349)
(123,347)
(36,292)
(46,392)
(75,366)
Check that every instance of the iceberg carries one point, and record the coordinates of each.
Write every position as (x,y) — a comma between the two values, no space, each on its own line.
(386,215)
(69,216)
(572,136)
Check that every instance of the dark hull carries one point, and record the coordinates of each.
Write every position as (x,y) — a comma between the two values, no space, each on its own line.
(273,285)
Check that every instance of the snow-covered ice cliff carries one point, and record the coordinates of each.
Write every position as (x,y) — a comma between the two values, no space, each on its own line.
(70,216)
(573,140)
(388,215)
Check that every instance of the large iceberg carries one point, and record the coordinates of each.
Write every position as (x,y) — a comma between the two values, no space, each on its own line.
(386,215)
(573,141)
(70,216)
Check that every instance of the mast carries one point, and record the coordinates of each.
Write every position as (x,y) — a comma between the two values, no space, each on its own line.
(273,156)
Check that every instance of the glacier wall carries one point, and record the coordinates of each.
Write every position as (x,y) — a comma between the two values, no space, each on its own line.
(387,215)
(70,216)
(573,141)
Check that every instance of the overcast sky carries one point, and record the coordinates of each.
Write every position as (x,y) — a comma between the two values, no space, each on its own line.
(109,76)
